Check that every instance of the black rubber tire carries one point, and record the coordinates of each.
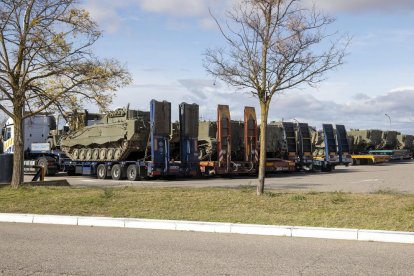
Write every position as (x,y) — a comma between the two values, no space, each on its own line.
(327,168)
(101,171)
(71,173)
(117,172)
(132,173)
(51,172)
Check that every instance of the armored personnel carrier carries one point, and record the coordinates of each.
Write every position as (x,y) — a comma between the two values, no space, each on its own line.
(406,142)
(331,147)
(207,140)
(276,146)
(318,142)
(362,141)
(389,140)
(118,135)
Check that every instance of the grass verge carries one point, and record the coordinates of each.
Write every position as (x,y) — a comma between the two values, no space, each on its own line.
(385,211)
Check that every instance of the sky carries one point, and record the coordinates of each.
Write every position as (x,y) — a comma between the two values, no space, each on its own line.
(162,44)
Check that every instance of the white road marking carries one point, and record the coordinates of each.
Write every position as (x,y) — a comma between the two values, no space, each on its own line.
(367,180)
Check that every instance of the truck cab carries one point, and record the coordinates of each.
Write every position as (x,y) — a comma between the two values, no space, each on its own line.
(37,150)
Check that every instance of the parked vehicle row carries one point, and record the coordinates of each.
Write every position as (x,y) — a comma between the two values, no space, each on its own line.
(132,144)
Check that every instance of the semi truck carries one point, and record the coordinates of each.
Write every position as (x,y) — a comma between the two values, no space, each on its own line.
(37,150)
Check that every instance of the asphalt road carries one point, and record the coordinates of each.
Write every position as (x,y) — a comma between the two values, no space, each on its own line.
(359,179)
(27,249)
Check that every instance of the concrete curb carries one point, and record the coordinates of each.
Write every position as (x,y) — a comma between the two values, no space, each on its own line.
(217,227)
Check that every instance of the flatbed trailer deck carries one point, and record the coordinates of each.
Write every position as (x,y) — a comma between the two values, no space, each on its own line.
(367,159)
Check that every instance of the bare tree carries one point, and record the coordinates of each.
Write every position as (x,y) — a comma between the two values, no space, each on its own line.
(274,46)
(46,62)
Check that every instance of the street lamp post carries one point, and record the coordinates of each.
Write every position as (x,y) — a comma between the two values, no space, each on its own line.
(389,118)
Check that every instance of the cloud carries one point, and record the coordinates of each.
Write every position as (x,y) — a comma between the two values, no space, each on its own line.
(365,5)
(176,7)
(110,14)
(403,89)
(361,112)
(107,12)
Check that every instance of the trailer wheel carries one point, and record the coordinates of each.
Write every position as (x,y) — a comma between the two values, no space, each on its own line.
(71,172)
(327,168)
(117,172)
(132,173)
(101,171)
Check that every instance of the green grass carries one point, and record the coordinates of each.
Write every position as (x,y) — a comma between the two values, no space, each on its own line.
(381,210)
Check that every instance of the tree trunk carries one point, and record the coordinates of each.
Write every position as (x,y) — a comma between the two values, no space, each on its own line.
(264,110)
(18,156)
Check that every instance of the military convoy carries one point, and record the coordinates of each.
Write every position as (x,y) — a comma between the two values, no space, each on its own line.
(133,144)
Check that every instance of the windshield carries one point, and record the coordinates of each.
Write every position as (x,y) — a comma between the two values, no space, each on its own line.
(6,133)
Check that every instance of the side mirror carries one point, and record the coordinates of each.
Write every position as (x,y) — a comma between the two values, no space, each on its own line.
(3,134)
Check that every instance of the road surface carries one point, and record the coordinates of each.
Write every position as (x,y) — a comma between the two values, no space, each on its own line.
(27,249)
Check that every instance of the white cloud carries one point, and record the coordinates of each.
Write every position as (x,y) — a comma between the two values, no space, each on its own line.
(109,13)
(175,7)
(361,112)
(106,12)
(364,5)
(403,89)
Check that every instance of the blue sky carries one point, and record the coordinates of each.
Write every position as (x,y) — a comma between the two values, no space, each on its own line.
(162,42)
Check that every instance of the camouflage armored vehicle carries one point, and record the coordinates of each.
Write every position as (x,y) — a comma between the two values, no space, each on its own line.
(389,140)
(207,140)
(318,142)
(362,141)
(276,145)
(406,142)
(118,135)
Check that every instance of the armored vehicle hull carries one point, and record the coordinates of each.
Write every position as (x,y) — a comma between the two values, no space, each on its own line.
(207,140)
(406,142)
(362,141)
(120,135)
